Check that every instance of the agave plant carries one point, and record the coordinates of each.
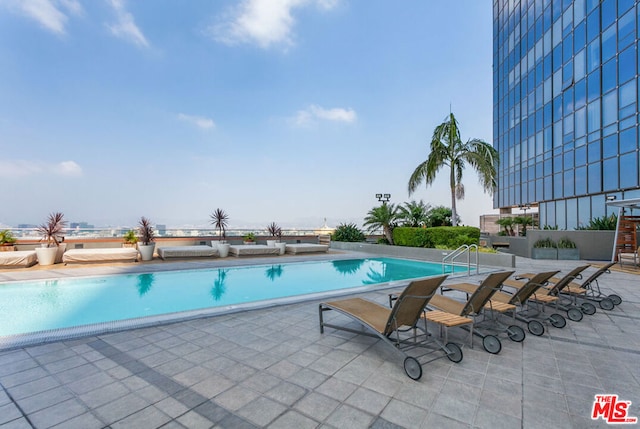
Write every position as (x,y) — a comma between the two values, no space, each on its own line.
(274,230)
(52,230)
(147,234)
(219,219)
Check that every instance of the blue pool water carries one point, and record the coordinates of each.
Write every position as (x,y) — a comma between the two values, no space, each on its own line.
(27,307)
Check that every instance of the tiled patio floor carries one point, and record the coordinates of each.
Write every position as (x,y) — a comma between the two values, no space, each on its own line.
(272,368)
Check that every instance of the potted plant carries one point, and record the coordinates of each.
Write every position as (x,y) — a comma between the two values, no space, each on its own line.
(7,240)
(130,239)
(249,238)
(219,219)
(52,234)
(279,244)
(146,245)
(567,249)
(545,248)
(273,229)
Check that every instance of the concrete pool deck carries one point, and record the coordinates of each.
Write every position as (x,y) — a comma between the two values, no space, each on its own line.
(271,367)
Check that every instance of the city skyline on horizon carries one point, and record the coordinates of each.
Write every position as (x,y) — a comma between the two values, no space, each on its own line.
(288,112)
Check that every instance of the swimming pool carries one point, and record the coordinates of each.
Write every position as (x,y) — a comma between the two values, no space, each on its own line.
(28,307)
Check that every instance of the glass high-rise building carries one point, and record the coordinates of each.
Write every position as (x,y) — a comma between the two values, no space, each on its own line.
(565,97)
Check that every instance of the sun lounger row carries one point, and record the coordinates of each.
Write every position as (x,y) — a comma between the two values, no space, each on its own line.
(497,295)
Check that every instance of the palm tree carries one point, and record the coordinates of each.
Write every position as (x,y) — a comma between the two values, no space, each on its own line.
(414,214)
(383,217)
(507,223)
(219,219)
(524,221)
(447,149)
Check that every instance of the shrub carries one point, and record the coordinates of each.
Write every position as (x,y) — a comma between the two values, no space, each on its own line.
(545,243)
(565,243)
(604,223)
(449,237)
(348,232)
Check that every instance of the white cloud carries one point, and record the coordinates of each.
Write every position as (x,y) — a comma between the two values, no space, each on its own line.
(22,168)
(313,112)
(198,121)
(46,12)
(125,26)
(264,22)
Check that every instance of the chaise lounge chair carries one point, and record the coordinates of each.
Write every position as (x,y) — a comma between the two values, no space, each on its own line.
(252,250)
(306,248)
(18,259)
(124,254)
(473,309)
(187,252)
(590,290)
(388,323)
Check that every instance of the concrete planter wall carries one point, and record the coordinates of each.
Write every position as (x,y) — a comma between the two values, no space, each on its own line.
(544,253)
(569,254)
(433,255)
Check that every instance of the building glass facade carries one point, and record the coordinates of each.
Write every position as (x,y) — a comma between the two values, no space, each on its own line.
(565,97)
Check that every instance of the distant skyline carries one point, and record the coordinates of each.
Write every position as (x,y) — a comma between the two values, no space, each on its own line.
(290,111)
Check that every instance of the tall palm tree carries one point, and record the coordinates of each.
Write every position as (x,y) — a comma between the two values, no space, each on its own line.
(383,217)
(414,213)
(447,149)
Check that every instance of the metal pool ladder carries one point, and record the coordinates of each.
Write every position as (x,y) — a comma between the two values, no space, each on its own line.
(450,259)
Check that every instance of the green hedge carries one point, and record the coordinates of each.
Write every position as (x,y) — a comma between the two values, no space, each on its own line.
(447,236)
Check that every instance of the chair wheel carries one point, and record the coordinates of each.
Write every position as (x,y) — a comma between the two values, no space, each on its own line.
(615,299)
(574,314)
(535,327)
(492,344)
(606,304)
(557,320)
(516,333)
(454,352)
(412,368)
(588,308)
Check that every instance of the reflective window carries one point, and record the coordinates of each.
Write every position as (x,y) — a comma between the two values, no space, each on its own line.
(593,85)
(608,11)
(628,140)
(593,55)
(594,184)
(581,180)
(597,206)
(608,47)
(593,152)
(557,185)
(561,216)
(548,188)
(572,213)
(557,57)
(580,95)
(609,76)
(627,64)
(626,27)
(593,116)
(567,98)
(579,37)
(551,214)
(568,183)
(610,174)
(579,65)
(610,146)
(578,11)
(629,170)
(581,156)
(581,122)
(584,211)
(567,48)
(593,24)
(610,108)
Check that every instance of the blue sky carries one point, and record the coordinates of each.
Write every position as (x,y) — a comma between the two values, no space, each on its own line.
(274,110)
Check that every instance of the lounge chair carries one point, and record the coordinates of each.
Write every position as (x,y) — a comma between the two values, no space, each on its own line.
(474,308)
(555,286)
(116,254)
(18,259)
(252,250)
(590,289)
(306,248)
(388,323)
(521,297)
(187,252)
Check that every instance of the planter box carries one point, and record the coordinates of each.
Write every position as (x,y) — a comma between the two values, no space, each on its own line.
(569,254)
(544,253)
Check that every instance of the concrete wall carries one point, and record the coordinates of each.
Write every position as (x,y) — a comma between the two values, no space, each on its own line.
(432,255)
(593,245)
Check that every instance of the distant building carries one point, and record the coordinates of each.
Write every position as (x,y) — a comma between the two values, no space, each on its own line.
(81,225)
(162,229)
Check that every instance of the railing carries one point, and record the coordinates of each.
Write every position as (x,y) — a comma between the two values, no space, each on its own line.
(450,259)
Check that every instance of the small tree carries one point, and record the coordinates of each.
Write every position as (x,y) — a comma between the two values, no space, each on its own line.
(414,214)
(523,221)
(507,223)
(52,230)
(274,231)
(440,216)
(219,219)
(383,217)
(348,232)
(147,234)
